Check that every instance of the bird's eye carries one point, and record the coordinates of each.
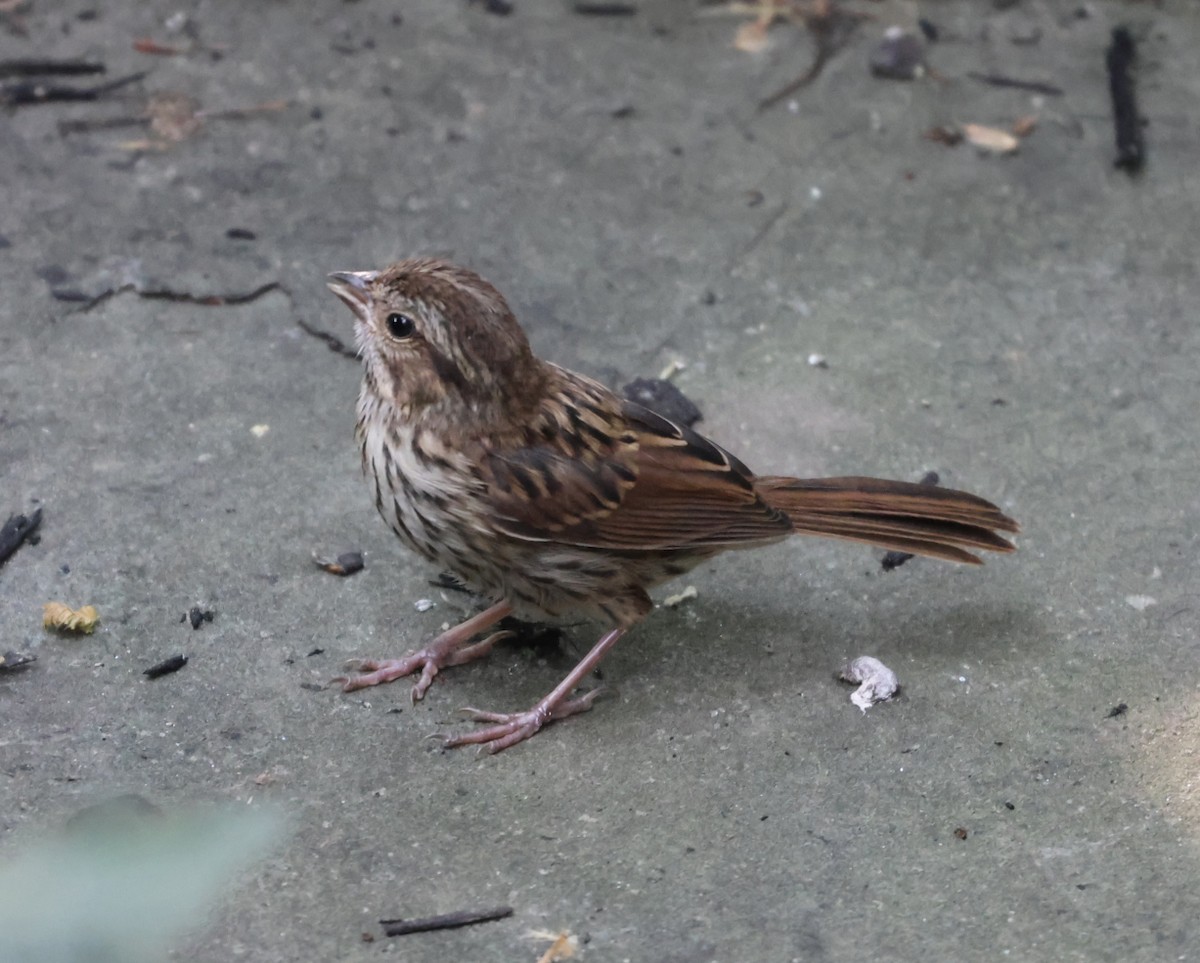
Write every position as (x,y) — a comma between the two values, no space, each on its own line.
(400,326)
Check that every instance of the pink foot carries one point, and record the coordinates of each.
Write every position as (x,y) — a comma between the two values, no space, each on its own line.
(514,727)
(447,649)
(430,660)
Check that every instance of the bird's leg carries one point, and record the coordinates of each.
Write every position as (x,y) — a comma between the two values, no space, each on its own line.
(447,649)
(514,727)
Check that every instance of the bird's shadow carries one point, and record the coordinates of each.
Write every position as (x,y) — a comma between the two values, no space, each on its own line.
(727,635)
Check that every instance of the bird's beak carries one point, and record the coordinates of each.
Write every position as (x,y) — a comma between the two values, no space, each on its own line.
(353,288)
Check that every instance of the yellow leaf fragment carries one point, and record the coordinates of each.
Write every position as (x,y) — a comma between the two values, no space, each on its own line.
(56,615)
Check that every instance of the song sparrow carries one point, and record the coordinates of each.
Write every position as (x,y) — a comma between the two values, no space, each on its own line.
(545,491)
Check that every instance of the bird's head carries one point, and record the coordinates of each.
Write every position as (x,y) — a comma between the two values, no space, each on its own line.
(432,333)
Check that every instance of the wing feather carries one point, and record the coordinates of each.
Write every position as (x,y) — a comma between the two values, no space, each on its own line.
(595,471)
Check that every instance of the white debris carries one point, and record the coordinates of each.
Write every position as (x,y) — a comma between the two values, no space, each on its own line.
(423,605)
(673,367)
(671,601)
(259,430)
(991,139)
(1141,602)
(878,682)
(817,361)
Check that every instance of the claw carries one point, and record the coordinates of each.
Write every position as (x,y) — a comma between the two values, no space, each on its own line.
(428,674)
(447,649)
(509,728)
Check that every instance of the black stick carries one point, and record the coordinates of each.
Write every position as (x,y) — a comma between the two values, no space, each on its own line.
(1119,59)
(35,92)
(332,341)
(447,921)
(999,80)
(605,9)
(30,67)
(166,667)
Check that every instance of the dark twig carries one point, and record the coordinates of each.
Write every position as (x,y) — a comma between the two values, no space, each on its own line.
(759,236)
(831,33)
(165,294)
(1119,59)
(16,531)
(999,80)
(210,300)
(28,92)
(83,125)
(501,8)
(166,667)
(447,921)
(587,9)
(333,342)
(30,67)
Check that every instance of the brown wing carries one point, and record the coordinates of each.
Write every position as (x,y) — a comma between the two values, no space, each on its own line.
(690,493)
(594,470)
(572,461)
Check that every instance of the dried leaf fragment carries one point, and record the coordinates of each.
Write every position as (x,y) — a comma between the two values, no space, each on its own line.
(174,116)
(56,615)
(944,134)
(148,45)
(751,37)
(563,946)
(1024,126)
(990,138)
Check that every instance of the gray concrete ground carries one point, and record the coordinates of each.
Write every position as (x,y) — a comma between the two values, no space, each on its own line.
(1024,325)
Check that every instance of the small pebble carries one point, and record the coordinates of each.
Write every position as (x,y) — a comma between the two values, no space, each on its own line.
(899,56)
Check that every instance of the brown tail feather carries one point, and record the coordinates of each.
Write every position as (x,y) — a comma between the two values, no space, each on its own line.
(902,516)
